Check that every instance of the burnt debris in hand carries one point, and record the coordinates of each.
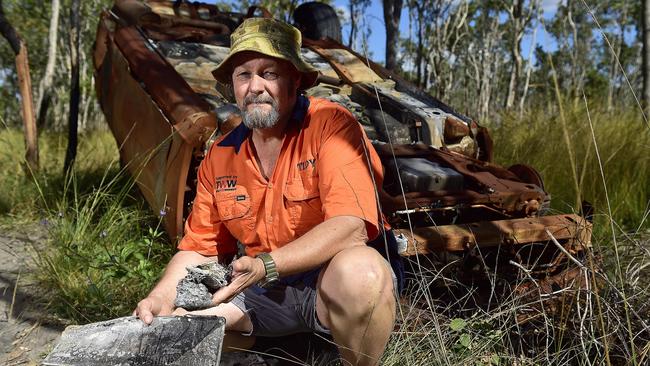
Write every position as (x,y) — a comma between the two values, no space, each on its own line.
(194,292)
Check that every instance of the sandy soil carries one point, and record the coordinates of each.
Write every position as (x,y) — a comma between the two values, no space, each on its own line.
(25,334)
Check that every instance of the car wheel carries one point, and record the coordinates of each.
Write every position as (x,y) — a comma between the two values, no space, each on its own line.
(317,21)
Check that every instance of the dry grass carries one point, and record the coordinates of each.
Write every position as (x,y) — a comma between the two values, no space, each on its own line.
(606,322)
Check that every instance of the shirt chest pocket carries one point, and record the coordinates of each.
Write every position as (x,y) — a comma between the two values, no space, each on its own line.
(235,209)
(303,203)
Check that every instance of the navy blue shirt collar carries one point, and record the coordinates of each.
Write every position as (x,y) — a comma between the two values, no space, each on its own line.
(237,136)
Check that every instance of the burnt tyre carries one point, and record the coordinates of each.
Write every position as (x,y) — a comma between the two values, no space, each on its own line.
(317,21)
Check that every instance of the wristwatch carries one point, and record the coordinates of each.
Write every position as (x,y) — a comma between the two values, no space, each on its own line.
(271,272)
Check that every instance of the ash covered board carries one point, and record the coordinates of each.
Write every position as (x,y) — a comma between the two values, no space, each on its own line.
(171,340)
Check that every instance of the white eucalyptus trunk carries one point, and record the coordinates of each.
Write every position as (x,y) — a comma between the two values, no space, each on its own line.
(45,85)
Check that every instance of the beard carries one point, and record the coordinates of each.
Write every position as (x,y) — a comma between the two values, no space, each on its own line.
(257,117)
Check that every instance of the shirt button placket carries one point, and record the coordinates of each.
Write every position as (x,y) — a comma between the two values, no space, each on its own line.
(269,207)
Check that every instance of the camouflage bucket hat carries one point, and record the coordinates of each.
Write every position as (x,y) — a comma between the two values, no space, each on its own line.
(269,37)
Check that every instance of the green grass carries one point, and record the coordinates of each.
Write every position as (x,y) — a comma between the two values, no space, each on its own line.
(28,198)
(624,146)
(106,249)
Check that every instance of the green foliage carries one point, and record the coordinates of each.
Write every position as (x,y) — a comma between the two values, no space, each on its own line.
(622,142)
(32,20)
(103,257)
(28,198)
(105,249)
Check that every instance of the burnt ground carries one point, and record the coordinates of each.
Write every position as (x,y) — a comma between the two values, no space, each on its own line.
(26,334)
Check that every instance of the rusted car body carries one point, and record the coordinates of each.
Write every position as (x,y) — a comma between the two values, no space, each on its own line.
(153,63)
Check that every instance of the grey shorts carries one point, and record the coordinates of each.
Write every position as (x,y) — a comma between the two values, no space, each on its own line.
(288,307)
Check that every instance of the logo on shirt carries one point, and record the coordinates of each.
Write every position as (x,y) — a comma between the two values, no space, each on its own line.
(225,183)
(306,164)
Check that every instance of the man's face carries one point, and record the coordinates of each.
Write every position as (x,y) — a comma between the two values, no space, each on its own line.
(265,88)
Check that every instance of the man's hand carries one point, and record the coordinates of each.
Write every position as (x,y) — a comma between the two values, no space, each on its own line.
(161,299)
(246,271)
(152,305)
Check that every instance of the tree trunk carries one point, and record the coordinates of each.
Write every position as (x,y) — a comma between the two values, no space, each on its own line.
(577,69)
(392,12)
(645,17)
(24,79)
(529,70)
(518,27)
(353,23)
(73,120)
(514,73)
(613,70)
(420,50)
(45,87)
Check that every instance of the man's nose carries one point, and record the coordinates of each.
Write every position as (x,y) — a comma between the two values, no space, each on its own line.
(256,85)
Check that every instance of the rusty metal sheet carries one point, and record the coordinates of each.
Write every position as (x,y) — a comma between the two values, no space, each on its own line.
(194,62)
(493,233)
(386,74)
(485,184)
(166,87)
(141,135)
(191,10)
(320,63)
(176,173)
(353,69)
(347,65)
(156,156)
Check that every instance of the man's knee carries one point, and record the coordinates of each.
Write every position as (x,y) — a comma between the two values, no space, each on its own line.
(357,279)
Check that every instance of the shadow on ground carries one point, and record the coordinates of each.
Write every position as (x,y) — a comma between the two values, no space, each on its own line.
(27,333)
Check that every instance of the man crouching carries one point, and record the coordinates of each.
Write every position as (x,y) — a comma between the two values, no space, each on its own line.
(294,183)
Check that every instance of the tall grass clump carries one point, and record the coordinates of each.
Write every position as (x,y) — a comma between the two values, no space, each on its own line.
(25,196)
(105,249)
(105,254)
(537,139)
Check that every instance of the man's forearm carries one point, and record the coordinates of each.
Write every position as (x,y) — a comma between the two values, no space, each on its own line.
(175,271)
(320,244)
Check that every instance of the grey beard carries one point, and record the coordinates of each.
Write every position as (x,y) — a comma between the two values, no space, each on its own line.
(259,119)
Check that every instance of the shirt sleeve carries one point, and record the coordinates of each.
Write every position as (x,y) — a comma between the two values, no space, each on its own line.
(204,231)
(345,163)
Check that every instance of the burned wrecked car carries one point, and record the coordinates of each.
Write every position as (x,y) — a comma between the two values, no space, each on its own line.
(443,195)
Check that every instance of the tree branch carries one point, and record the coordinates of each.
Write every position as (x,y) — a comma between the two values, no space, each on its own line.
(8,31)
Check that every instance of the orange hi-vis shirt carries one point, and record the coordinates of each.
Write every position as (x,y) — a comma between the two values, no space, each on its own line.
(326,168)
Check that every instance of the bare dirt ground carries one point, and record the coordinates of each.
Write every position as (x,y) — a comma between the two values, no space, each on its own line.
(26,336)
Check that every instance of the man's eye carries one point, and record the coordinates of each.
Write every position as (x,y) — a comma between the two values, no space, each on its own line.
(243,76)
(270,75)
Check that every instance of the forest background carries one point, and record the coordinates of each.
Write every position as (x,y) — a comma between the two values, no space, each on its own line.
(466,53)
(563,91)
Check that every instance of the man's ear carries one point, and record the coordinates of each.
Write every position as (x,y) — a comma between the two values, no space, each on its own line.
(297,80)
